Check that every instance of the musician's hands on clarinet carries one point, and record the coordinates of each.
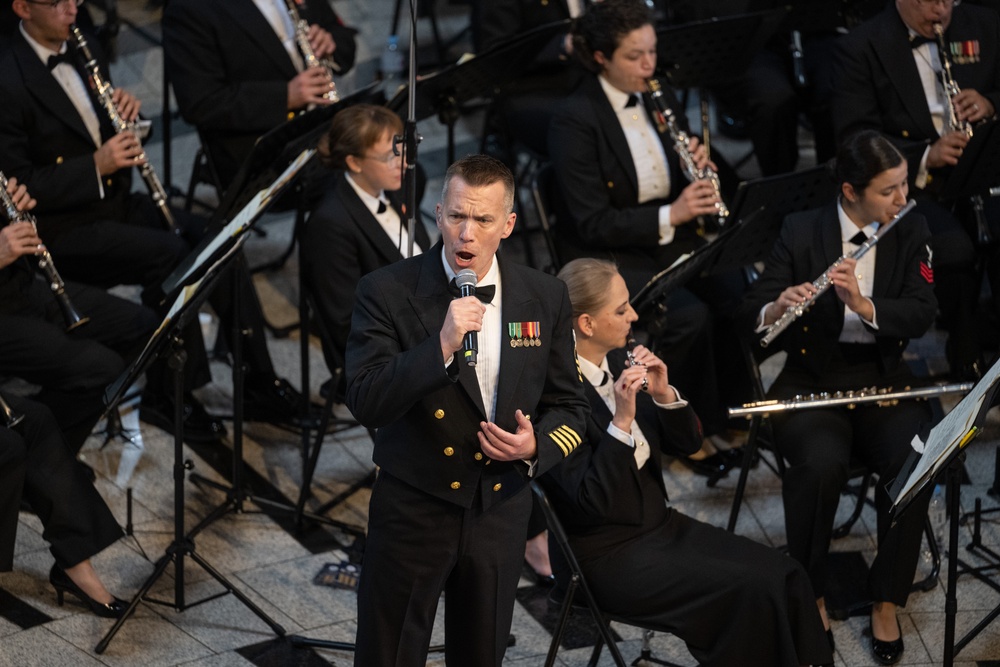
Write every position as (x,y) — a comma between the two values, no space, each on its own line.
(946,151)
(697,199)
(21,238)
(972,106)
(655,372)
(309,87)
(321,41)
(119,152)
(128,105)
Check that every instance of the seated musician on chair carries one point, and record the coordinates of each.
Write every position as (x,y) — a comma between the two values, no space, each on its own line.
(624,196)
(852,337)
(359,225)
(733,601)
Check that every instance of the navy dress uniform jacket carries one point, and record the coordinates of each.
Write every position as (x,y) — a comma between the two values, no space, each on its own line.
(427,416)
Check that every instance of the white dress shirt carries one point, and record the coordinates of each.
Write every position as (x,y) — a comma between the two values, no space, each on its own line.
(488,358)
(928,63)
(276,13)
(854,330)
(388,220)
(647,152)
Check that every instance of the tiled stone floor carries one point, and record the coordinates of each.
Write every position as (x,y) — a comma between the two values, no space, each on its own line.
(274,565)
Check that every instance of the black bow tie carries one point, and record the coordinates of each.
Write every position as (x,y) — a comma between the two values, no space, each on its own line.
(57,59)
(917,41)
(859,238)
(633,100)
(484,293)
(381,207)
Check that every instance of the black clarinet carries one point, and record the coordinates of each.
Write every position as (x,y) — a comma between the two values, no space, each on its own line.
(104,92)
(72,318)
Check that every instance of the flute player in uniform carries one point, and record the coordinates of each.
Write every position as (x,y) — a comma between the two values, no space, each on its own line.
(853,336)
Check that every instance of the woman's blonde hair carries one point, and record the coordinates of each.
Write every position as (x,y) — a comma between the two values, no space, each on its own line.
(587,280)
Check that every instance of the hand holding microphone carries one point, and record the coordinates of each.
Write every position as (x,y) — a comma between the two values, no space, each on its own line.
(464,319)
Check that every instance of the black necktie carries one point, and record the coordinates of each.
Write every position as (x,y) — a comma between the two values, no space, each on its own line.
(483,292)
(65,57)
(917,41)
(633,100)
(859,238)
(381,207)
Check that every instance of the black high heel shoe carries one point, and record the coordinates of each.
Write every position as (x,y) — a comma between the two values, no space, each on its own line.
(542,580)
(887,653)
(63,584)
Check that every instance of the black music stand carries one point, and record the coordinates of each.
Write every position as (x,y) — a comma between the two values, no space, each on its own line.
(704,54)
(166,340)
(775,197)
(944,450)
(479,77)
(289,147)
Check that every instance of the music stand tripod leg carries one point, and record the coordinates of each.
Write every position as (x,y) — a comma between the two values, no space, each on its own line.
(182,544)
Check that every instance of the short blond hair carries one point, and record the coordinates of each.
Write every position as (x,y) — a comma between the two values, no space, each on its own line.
(587,281)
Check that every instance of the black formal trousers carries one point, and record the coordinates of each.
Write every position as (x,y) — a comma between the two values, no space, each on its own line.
(417,547)
(733,601)
(820,446)
(72,368)
(76,521)
(13,453)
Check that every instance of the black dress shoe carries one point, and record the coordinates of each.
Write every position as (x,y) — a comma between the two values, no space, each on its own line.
(713,467)
(63,584)
(199,426)
(272,400)
(887,653)
(542,580)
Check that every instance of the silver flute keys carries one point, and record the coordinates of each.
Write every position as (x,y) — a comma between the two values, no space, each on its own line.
(70,315)
(667,121)
(883,397)
(105,96)
(823,283)
(305,48)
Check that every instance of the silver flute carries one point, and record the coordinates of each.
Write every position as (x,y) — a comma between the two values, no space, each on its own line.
(823,283)
(666,121)
(883,397)
(305,48)
(105,92)
(71,316)
(950,87)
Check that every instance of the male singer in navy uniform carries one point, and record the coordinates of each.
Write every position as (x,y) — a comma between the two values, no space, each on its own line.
(456,445)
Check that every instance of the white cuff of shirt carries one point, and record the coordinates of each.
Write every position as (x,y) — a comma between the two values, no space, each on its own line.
(100,182)
(679,403)
(760,318)
(532,466)
(666,229)
(874,323)
(621,436)
(921,180)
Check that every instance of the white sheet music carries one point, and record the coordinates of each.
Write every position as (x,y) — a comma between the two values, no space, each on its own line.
(954,431)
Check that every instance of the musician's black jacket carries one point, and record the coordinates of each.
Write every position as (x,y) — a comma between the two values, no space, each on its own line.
(877,83)
(230,72)
(44,143)
(903,296)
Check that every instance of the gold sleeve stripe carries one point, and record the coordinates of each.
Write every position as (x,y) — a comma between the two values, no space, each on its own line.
(566,438)
(571,434)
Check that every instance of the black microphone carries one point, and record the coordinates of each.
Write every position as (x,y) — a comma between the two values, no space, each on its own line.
(466,282)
